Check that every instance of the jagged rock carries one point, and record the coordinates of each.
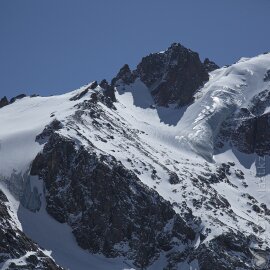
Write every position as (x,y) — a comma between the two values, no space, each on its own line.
(256,208)
(125,75)
(108,90)
(174,179)
(252,135)
(239,174)
(173,76)
(265,208)
(4,102)
(249,129)
(94,97)
(217,254)
(210,65)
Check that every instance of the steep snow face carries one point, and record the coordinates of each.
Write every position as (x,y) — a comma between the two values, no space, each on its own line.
(229,89)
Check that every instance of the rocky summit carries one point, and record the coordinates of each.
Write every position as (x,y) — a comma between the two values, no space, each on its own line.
(172,76)
(163,168)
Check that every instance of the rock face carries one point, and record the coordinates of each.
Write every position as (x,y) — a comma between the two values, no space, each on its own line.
(108,90)
(209,256)
(108,208)
(252,135)
(249,128)
(14,245)
(125,75)
(172,76)
(210,65)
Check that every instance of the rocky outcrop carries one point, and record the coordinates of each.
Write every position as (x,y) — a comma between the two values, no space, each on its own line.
(172,76)
(210,65)
(249,128)
(108,208)
(267,76)
(85,91)
(16,98)
(109,90)
(125,75)
(228,251)
(3,102)
(253,135)
(14,245)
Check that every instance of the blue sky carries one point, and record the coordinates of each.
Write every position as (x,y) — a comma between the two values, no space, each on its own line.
(53,46)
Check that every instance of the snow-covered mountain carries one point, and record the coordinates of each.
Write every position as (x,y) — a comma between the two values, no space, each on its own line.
(163,168)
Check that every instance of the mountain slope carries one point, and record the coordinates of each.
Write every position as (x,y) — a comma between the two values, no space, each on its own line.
(142,181)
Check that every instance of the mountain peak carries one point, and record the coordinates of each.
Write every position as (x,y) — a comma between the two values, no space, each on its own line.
(172,76)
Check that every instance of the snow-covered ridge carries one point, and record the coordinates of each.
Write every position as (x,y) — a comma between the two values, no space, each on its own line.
(22,121)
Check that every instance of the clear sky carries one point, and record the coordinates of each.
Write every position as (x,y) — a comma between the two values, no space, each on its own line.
(53,46)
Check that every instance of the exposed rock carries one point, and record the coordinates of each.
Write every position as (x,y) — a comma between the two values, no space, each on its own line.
(210,65)
(48,131)
(17,97)
(108,90)
(173,76)
(125,75)
(256,208)
(249,128)
(4,102)
(106,205)
(267,76)
(85,91)
(252,135)
(174,179)
(217,254)
(239,174)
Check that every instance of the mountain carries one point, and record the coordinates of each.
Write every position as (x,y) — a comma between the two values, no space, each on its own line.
(162,168)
